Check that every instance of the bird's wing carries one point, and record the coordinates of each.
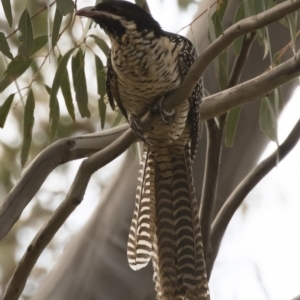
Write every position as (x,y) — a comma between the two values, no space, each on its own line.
(112,87)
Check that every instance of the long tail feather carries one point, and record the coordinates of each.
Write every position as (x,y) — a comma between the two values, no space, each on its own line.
(139,248)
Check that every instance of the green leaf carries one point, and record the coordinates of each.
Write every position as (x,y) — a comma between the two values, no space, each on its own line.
(26,39)
(14,69)
(140,2)
(39,42)
(102,111)
(66,91)
(7,11)
(249,8)
(293,33)
(238,43)
(117,119)
(268,119)
(58,78)
(27,127)
(53,116)
(101,76)
(4,47)
(221,8)
(101,44)
(80,84)
(4,109)
(231,125)
(65,6)
(211,28)
(101,83)
(56,26)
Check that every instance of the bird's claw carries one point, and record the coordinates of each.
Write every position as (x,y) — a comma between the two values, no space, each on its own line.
(165,115)
(135,125)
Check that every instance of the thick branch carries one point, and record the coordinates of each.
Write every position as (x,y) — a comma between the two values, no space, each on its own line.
(58,153)
(238,195)
(250,90)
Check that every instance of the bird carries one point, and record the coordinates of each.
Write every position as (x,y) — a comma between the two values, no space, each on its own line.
(144,65)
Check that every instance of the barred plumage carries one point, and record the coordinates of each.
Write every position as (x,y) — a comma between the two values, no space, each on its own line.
(144,65)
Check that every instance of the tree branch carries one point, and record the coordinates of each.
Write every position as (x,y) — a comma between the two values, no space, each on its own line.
(34,175)
(215,48)
(250,90)
(249,182)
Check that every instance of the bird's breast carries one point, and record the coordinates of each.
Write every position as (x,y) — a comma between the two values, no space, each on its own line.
(147,69)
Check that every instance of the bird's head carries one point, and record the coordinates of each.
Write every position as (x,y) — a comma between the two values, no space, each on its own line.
(116,17)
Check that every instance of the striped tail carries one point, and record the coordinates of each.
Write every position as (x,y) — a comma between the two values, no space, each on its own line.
(166,226)
(142,229)
(178,259)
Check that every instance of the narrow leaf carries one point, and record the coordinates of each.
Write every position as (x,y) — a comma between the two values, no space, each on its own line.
(117,119)
(221,8)
(26,38)
(231,125)
(14,69)
(66,91)
(65,6)
(80,84)
(58,78)
(4,109)
(239,15)
(53,115)
(268,119)
(4,47)
(101,76)
(27,127)
(102,111)
(7,11)
(101,44)
(39,42)
(101,79)
(293,33)
(56,26)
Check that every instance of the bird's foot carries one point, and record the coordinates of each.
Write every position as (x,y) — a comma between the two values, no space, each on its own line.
(135,125)
(165,115)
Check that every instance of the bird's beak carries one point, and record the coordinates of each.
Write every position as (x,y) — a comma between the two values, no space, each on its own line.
(88,12)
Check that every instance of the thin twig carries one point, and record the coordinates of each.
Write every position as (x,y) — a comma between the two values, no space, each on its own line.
(248,183)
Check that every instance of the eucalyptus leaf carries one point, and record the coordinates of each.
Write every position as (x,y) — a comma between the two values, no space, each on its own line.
(26,38)
(56,26)
(66,91)
(27,127)
(14,69)
(53,115)
(231,125)
(4,47)
(102,111)
(80,86)
(39,42)
(101,44)
(238,43)
(7,11)
(65,6)
(4,109)
(58,77)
